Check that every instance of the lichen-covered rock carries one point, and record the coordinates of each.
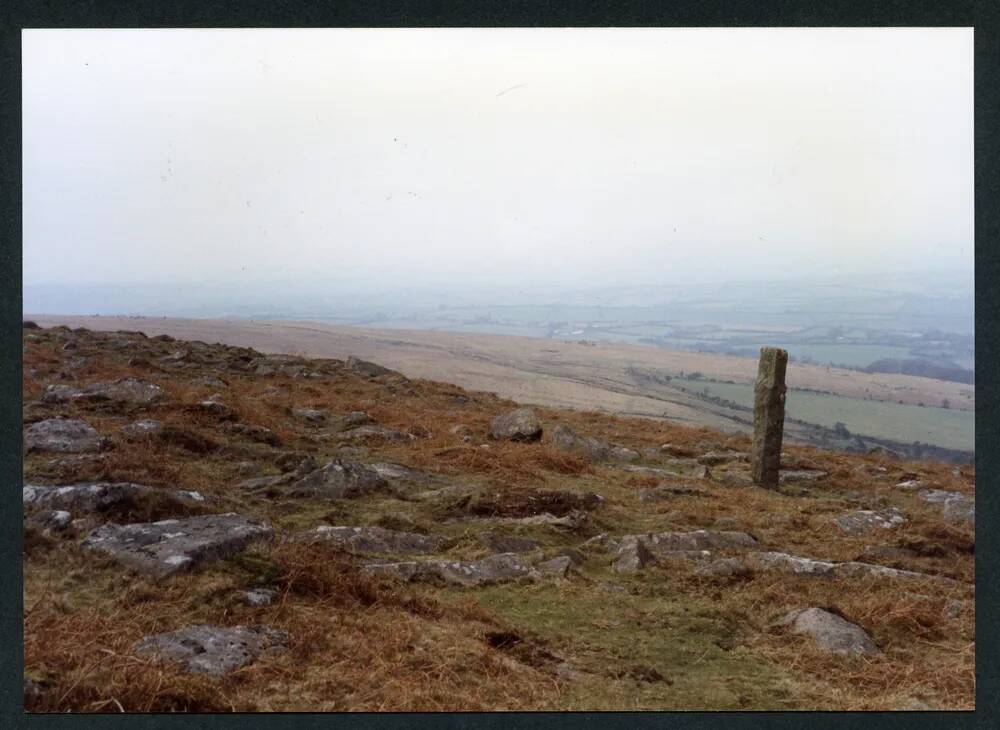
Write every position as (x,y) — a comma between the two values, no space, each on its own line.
(518,425)
(632,555)
(170,546)
(865,520)
(565,438)
(783,562)
(90,497)
(339,479)
(494,569)
(698,540)
(376,540)
(126,390)
(634,552)
(63,435)
(830,632)
(214,650)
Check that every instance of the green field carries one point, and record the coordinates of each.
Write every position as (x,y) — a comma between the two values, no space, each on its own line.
(952,429)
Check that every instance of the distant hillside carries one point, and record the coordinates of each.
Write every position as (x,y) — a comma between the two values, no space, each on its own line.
(924,369)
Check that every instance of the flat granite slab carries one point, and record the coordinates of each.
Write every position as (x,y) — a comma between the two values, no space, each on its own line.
(170,546)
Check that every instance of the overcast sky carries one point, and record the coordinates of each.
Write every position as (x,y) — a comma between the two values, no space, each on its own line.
(552,155)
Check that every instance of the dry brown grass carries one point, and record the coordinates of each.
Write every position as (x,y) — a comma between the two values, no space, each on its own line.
(361,642)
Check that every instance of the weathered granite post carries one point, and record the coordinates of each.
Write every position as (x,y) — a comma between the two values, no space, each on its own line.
(768,417)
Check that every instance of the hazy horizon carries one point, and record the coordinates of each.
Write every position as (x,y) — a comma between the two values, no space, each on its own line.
(504,158)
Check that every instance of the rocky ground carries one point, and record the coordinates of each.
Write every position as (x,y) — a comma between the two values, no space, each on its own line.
(212,529)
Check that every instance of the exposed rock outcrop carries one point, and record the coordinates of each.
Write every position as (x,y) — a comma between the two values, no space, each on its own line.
(63,435)
(214,650)
(170,546)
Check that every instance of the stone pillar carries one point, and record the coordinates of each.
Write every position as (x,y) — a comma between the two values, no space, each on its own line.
(768,417)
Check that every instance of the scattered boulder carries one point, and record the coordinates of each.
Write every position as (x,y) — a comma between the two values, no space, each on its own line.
(214,650)
(637,551)
(783,562)
(565,438)
(375,540)
(62,435)
(956,506)
(94,497)
(170,546)
(632,555)
(866,520)
(339,479)
(830,632)
(494,569)
(127,390)
(518,425)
